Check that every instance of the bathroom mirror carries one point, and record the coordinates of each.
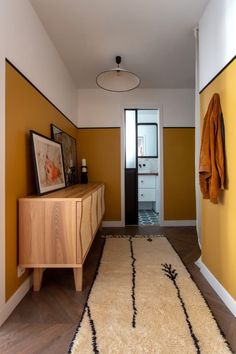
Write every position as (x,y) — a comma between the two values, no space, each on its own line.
(147,140)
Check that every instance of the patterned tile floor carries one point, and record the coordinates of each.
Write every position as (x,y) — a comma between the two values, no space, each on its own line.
(147,217)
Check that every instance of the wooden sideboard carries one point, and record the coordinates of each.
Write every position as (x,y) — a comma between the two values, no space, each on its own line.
(56,230)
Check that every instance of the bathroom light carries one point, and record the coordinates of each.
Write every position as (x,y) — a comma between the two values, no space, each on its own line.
(117,79)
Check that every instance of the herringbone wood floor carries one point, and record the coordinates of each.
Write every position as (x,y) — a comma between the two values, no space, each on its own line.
(44,322)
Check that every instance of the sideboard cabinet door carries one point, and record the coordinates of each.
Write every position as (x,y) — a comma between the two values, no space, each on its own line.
(84,229)
(47,232)
(94,213)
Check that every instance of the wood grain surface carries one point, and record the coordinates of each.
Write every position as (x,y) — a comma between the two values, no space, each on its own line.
(58,229)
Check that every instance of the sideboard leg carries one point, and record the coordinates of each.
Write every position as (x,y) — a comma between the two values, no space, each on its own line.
(78,276)
(37,278)
(100,227)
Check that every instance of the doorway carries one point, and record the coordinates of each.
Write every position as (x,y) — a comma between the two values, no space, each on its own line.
(142,167)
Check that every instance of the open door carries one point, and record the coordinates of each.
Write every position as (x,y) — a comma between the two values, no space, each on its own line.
(131,179)
(142,167)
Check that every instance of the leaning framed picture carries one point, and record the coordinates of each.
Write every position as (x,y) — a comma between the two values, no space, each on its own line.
(69,153)
(48,163)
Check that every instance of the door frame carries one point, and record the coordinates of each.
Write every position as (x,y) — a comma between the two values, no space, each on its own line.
(140,106)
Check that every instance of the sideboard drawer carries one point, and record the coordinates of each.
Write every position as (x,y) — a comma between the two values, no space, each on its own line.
(146,195)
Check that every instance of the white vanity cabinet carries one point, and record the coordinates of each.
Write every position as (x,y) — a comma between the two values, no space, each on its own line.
(149,190)
(146,188)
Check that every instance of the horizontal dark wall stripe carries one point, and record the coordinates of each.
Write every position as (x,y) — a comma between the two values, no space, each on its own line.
(40,92)
(99,128)
(217,74)
(179,127)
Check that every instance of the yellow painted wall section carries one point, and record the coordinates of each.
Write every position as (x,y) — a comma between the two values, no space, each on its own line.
(218,221)
(101,148)
(179,180)
(26,109)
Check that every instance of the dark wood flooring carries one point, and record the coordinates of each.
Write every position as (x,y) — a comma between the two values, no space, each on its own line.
(45,322)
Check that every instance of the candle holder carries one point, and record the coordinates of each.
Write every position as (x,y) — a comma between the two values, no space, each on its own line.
(84,172)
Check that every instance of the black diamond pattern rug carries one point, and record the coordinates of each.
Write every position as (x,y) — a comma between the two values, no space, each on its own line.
(147,217)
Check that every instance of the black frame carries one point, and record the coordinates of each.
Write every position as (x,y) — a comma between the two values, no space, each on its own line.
(53,187)
(148,156)
(131,174)
(71,172)
(131,182)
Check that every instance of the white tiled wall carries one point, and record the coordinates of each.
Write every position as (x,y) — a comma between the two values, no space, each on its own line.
(146,165)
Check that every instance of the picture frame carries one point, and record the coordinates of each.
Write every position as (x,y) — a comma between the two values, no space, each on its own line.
(69,152)
(141,146)
(48,163)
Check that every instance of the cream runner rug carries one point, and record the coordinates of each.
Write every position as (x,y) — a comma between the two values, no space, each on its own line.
(144,301)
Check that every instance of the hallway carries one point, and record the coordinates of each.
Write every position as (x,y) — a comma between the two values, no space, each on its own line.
(45,322)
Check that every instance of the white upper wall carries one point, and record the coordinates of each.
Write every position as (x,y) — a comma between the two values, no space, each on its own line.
(30,49)
(217,43)
(99,108)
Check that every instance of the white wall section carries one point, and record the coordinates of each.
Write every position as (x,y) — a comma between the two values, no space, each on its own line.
(217,44)
(99,108)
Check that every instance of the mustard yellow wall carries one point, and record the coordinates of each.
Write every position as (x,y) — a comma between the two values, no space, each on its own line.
(26,109)
(101,148)
(218,221)
(179,189)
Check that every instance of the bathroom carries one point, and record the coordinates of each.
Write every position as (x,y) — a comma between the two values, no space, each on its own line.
(142,167)
(148,167)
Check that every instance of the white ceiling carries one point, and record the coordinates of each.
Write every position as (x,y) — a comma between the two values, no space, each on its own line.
(155,38)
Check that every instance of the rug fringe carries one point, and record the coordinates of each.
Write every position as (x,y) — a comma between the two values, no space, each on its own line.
(131,236)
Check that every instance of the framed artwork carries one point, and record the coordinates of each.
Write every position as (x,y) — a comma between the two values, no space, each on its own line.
(69,153)
(48,163)
(141,143)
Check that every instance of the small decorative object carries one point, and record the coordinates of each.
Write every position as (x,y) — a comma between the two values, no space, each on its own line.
(84,172)
(69,153)
(48,163)
(140,145)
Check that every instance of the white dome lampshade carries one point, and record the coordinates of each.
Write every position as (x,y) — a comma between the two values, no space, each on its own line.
(117,79)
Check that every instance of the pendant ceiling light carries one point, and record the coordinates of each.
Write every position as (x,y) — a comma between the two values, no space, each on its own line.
(117,79)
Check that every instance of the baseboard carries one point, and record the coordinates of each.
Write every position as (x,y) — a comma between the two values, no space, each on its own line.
(162,223)
(199,262)
(216,285)
(10,305)
(178,223)
(112,224)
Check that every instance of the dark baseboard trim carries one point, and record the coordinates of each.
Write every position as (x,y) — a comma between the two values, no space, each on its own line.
(80,128)
(178,127)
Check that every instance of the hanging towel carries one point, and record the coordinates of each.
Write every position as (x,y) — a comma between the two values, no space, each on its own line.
(212,161)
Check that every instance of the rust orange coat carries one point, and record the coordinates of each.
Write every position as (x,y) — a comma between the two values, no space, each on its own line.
(212,164)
